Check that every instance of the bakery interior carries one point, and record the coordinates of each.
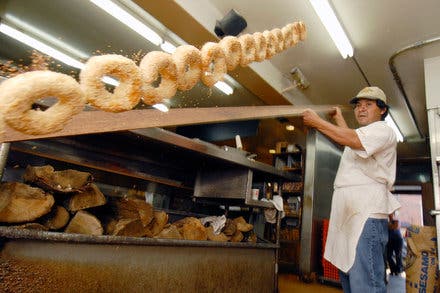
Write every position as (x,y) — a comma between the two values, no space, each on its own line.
(204,167)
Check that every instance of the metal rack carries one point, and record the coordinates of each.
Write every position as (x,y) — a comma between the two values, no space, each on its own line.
(60,253)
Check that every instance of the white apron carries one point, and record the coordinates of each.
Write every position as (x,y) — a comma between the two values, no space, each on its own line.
(362,186)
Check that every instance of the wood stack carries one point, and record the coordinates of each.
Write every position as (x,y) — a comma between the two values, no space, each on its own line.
(69,201)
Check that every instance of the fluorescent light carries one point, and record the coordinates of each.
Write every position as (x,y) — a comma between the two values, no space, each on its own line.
(161,107)
(224,87)
(19,36)
(389,120)
(110,80)
(334,28)
(15,22)
(290,127)
(66,59)
(168,47)
(127,19)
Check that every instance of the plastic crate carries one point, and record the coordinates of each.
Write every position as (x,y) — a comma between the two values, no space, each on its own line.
(329,270)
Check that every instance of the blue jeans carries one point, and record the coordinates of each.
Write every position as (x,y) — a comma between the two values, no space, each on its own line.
(368,271)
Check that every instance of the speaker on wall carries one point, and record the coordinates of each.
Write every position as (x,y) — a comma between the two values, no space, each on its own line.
(230,25)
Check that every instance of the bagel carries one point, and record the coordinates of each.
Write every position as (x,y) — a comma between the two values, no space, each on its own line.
(19,93)
(279,44)
(288,35)
(213,63)
(153,66)
(188,62)
(125,96)
(271,40)
(300,29)
(232,48)
(260,46)
(247,49)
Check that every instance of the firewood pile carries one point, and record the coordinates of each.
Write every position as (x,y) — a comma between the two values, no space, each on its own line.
(69,201)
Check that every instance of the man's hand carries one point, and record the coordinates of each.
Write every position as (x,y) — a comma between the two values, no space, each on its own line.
(310,118)
(336,114)
(338,133)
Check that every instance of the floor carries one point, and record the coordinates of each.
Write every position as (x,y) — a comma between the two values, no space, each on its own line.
(292,283)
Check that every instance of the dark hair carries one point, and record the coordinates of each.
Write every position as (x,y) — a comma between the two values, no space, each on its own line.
(381,104)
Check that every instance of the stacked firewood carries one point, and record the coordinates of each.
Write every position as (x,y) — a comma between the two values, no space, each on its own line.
(69,201)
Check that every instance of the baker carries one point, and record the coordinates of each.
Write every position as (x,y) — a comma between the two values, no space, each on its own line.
(361,203)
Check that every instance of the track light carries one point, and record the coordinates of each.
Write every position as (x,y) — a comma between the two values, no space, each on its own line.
(48,50)
(390,121)
(34,43)
(334,28)
(224,87)
(130,21)
(161,107)
(168,47)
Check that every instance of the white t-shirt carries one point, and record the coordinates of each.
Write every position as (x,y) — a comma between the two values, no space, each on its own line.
(375,164)
(362,186)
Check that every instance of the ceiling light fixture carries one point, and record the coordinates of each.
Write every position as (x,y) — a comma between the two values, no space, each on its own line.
(48,50)
(290,127)
(34,43)
(334,28)
(161,107)
(38,34)
(129,20)
(390,121)
(224,87)
(168,47)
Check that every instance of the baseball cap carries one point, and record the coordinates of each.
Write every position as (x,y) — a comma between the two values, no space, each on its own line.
(370,92)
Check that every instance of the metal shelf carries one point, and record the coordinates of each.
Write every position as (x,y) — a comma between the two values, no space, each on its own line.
(230,155)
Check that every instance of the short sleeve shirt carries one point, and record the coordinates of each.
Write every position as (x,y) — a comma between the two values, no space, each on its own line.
(375,164)
(362,187)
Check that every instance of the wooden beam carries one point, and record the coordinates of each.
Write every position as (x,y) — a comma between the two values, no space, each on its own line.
(88,122)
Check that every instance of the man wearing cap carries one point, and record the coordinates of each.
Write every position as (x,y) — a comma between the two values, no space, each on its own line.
(361,203)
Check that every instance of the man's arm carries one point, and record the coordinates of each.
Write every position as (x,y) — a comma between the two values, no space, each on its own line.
(338,118)
(339,133)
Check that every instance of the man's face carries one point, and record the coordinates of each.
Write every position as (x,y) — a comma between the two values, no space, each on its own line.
(366,111)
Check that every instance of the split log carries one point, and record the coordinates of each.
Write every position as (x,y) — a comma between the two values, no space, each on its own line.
(26,203)
(110,226)
(169,232)
(32,226)
(252,237)
(65,181)
(242,225)
(131,228)
(230,227)
(84,223)
(191,229)
(56,219)
(5,199)
(237,237)
(160,219)
(131,208)
(90,197)
(216,237)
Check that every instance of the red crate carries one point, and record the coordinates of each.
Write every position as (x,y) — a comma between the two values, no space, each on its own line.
(329,270)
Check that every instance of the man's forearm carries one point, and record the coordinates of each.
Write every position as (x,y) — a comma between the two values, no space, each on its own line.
(340,134)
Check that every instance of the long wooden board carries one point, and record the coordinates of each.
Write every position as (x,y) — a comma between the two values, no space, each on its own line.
(88,122)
